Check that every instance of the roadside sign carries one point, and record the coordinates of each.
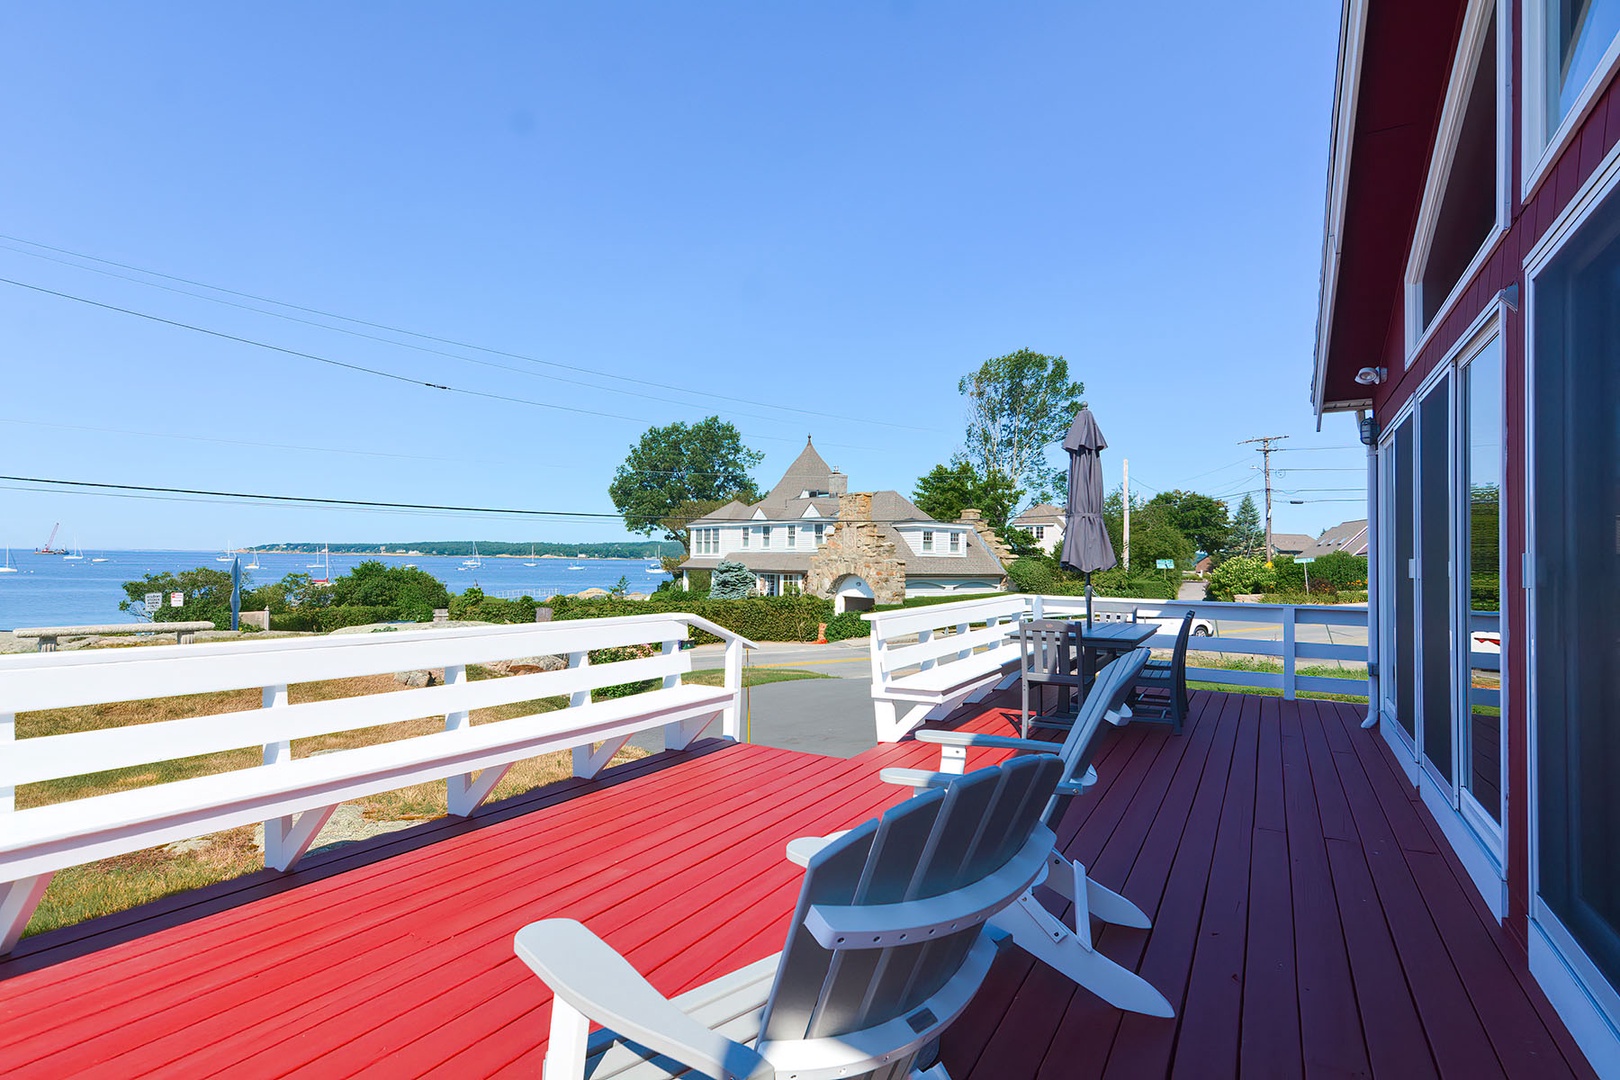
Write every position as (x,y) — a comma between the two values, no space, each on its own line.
(177,599)
(152,601)
(1302,562)
(1165,564)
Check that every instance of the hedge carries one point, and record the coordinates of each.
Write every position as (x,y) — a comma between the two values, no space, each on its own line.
(325,620)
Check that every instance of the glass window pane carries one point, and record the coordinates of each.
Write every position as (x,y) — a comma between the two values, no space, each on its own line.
(1434,570)
(1482,733)
(1404,626)
(1576,598)
(1578,34)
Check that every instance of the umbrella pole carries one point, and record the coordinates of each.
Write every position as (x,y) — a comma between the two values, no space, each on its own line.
(1088,599)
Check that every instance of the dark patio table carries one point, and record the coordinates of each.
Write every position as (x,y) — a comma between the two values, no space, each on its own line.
(1112,638)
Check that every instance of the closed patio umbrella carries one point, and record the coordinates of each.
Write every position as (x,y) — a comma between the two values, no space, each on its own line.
(1086,546)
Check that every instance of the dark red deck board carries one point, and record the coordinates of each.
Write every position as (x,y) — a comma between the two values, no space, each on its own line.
(1308,918)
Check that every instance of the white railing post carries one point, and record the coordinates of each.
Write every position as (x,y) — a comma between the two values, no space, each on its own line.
(1037,606)
(582,754)
(276,830)
(1288,635)
(731,721)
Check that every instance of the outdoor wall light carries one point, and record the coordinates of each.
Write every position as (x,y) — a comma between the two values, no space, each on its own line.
(1371,376)
(1368,428)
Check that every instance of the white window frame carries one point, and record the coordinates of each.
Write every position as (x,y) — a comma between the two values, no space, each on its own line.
(956,542)
(746,530)
(792,536)
(764,536)
(1585,1001)
(1541,148)
(928,541)
(820,534)
(1476,24)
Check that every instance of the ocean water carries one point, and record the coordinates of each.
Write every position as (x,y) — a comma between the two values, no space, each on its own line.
(48,590)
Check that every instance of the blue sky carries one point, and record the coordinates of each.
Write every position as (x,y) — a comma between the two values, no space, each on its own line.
(832,211)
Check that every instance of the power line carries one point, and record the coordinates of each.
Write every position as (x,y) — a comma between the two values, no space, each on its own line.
(183,494)
(410,333)
(378,372)
(1266,451)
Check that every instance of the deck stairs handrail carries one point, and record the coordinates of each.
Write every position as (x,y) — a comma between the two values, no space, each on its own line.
(294,796)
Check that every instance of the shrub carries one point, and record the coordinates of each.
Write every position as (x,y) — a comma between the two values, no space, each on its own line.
(1042,574)
(731,581)
(325,620)
(1241,574)
(475,606)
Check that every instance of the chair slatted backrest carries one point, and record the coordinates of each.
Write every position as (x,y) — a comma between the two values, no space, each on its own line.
(1178,659)
(1046,650)
(930,848)
(1107,694)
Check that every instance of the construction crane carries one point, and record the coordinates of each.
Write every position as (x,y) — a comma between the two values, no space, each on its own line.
(50,548)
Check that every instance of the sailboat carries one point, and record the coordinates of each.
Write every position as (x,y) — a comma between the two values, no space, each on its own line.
(254,565)
(99,558)
(8,568)
(76,554)
(224,556)
(326,564)
(531,561)
(475,562)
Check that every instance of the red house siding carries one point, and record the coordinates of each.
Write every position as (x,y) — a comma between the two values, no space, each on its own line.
(1529,220)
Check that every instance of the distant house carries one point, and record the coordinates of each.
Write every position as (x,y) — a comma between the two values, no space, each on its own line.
(810,534)
(1204,565)
(1290,543)
(1349,537)
(1044,522)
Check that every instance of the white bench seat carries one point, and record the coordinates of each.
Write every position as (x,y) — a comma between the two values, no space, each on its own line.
(930,660)
(295,797)
(48,838)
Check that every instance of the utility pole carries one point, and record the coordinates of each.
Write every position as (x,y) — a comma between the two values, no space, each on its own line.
(1126,489)
(1265,442)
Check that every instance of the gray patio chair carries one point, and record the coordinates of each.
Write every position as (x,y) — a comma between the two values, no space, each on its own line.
(886,948)
(1068,948)
(1046,657)
(1161,688)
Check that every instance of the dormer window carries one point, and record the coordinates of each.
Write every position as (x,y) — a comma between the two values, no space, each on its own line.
(956,542)
(1464,208)
(928,540)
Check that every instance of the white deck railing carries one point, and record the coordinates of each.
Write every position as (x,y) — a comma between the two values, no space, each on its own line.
(915,649)
(295,797)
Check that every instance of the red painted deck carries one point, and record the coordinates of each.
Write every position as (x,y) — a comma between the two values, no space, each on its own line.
(1308,921)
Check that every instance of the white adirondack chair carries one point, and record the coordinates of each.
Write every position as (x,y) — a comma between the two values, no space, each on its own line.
(1068,948)
(886,948)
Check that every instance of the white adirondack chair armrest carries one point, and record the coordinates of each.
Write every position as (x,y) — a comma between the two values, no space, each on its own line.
(917,778)
(590,975)
(994,742)
(803,849)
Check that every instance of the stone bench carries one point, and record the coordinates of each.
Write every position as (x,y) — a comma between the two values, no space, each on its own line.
(46,637)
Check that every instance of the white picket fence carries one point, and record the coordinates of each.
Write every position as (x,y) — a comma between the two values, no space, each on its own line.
(294,797)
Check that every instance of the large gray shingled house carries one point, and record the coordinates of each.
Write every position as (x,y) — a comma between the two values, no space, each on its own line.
(810,534)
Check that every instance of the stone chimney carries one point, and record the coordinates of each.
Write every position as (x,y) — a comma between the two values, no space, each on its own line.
(987,535)
(857,548)
(856,507)
(838,484)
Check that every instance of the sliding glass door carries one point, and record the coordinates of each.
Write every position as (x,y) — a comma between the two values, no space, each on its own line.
(1575,594)
(1440,484)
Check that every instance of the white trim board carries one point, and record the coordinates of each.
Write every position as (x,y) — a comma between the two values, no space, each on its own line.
(1533,98)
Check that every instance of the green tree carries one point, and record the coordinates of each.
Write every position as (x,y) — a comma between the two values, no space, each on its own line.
(1018,406)
(206,594)
(680,472)
(1199,518)
(1247,536)
(947,490)
(731,581)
